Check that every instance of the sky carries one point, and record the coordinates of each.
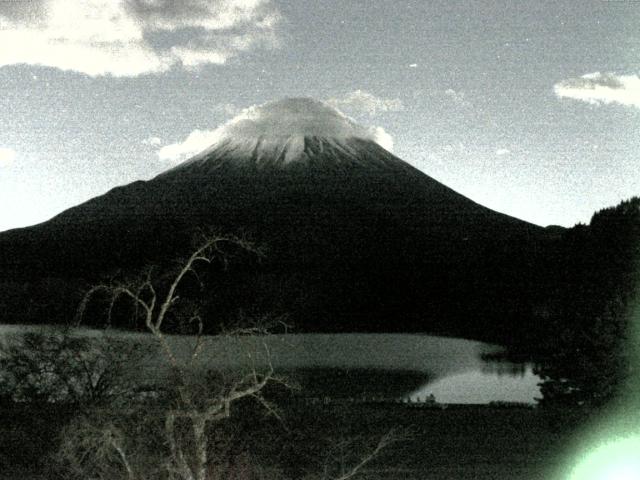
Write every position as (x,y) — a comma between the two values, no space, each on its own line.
(529,108)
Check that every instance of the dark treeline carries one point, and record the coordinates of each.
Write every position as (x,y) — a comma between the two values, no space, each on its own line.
(583,352)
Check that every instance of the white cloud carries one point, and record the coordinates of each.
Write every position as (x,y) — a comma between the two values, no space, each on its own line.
(503,151)
(114,37)
(295,117)
(381,137)
(275,121)
(360,101)
(152,141)
(196,141)
(7,157)
(601,88)
(228,109)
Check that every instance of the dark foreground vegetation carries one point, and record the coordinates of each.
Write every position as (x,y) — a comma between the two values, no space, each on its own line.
(469,442)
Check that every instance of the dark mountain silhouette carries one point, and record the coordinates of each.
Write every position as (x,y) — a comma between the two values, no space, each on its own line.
(356,239)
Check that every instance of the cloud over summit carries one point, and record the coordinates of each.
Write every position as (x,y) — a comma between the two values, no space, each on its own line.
(133,37)
(276,121)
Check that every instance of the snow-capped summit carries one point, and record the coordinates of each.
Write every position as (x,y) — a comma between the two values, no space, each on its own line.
(289,131)
(294,117)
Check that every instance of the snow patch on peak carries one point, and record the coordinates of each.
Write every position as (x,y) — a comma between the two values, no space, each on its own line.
(297,117)
(279,127)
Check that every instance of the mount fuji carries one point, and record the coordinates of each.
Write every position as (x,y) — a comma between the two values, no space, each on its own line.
(356,239)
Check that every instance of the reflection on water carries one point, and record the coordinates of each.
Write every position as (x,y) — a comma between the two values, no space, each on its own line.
(480,386)
(357,384)
(504,368)
(356,365)
(496,379)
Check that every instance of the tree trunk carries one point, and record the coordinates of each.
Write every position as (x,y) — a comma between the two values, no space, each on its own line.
(177,455)
(201,443)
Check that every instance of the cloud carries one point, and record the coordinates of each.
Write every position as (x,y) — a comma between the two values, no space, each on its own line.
(196,142)
(228,109)
(152,141)
(276,121)
(360,101)
(7,157)
(133,37)
(601,88)
(381,137)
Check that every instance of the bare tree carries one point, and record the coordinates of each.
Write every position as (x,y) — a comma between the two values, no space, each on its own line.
(191,412)
(346,458)
(190,408)
(56,366)
(354,469)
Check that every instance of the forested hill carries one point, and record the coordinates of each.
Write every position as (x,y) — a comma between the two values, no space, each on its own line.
(586,345)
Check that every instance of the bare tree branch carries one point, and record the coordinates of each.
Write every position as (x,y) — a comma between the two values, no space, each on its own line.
(191,411)
(392,436)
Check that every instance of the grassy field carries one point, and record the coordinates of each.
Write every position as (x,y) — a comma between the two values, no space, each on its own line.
(455,443)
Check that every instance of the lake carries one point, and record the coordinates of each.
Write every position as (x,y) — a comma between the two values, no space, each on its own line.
(408,366)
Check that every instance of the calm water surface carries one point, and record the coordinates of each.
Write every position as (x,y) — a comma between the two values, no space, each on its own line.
(356,365)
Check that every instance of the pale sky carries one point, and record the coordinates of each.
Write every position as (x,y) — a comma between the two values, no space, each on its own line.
(529,108)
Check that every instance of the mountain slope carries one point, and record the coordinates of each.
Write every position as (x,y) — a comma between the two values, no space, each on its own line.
(357,239)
